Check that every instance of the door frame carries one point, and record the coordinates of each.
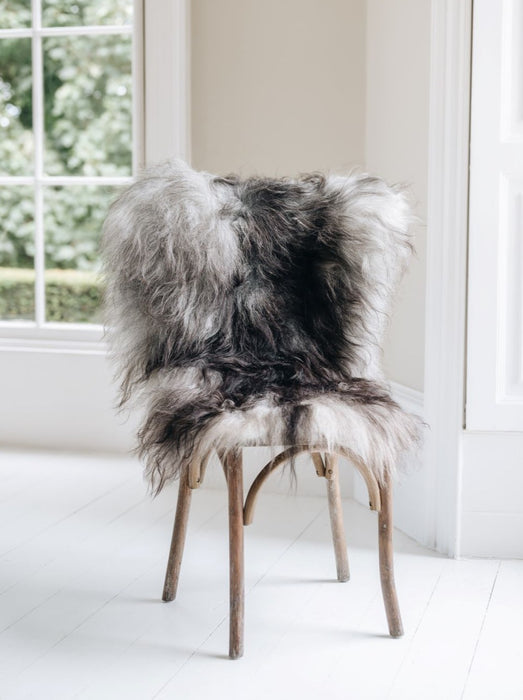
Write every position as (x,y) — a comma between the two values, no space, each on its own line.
(446,283)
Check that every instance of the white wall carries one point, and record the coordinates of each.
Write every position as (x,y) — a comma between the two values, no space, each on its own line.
(396,147)
(60,400)
(277,87)
(284,87)
(280,88)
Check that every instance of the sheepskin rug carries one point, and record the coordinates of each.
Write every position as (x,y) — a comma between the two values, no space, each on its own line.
(251,311)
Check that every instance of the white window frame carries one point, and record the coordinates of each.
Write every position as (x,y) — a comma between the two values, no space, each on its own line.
(39,330)
(57,383)
(166,32)
(160,130)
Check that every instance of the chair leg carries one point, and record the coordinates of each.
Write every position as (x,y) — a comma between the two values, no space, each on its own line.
(336,517)
(178,539)
(234,470)
(388,586)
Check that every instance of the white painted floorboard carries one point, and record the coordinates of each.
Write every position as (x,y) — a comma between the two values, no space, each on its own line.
(82,558)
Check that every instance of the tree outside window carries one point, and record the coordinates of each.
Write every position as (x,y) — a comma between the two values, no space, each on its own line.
(72,147)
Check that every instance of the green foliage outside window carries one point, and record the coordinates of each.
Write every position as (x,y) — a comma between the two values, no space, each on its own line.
(87,125)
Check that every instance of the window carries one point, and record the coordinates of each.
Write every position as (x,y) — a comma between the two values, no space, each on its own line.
(54,375)
(70,110)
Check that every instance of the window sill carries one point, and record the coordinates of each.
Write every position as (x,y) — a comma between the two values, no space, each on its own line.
(53,337)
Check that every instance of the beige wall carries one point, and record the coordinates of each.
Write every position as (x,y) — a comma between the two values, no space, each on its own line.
(286,86)
(397,122)
(278,86)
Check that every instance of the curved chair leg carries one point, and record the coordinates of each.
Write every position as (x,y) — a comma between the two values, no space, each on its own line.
(368,476)
(336,517)
(234,469)
(197,471)
(388,586)
(319,464)
(178,539)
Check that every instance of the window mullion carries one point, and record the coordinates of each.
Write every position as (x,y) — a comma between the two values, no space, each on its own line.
(138,77)
(38,140)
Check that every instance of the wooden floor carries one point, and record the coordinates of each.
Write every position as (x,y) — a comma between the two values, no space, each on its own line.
(83,551)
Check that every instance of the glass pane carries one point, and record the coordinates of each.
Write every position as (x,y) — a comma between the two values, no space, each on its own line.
(61,13)
(88,105)
(73,218)
(16,107)
(15,14)
(16,253)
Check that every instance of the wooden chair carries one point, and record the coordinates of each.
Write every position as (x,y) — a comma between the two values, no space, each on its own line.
(380,499)
(250,312)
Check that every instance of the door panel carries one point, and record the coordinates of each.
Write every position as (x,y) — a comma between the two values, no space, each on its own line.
(495,299)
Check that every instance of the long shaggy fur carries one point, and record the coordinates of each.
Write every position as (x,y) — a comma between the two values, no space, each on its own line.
(252,311)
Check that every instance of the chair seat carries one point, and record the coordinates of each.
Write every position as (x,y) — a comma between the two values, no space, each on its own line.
(359,415)
(374,428)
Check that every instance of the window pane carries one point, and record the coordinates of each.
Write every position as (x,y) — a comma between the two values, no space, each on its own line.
(73,218)
(61,13)
(15,14)
(16,107)
(16,253)
(88,105)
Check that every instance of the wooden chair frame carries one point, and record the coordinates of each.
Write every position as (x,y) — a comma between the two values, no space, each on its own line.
(240,514)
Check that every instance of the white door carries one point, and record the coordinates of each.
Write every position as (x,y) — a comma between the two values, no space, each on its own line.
(495,299)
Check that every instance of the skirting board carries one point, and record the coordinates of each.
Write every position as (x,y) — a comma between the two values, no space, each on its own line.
(492,483)
(410,492)
(412,489)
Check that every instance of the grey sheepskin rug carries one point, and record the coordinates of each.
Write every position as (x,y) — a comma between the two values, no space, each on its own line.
(251,311)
